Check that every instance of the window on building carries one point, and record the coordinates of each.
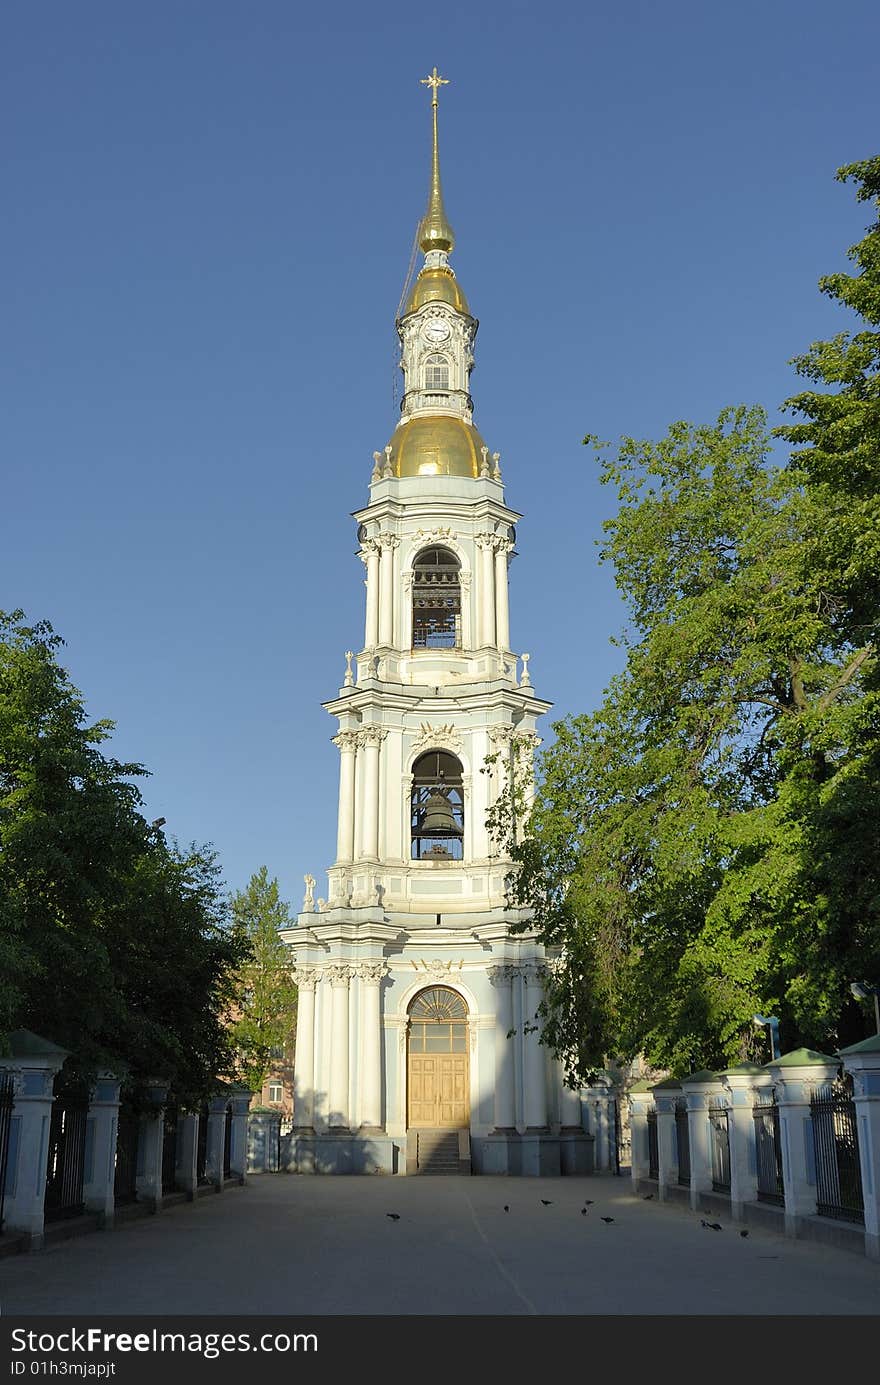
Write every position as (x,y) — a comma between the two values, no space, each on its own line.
(436,373)
(436,598)
(276,1052)
(437,824)
(275,1091)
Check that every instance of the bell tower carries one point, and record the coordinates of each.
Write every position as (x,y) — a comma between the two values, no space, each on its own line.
(433,708)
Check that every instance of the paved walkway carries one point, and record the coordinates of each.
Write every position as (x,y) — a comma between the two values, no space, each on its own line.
(297,1245)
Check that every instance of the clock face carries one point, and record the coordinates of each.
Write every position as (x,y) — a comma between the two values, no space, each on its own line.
(437,330)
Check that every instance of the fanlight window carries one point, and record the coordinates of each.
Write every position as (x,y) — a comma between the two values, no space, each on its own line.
(436,598)
(436,373)
(437,831)
(438,1022)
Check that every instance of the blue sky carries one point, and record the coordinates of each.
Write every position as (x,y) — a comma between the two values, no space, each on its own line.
(209,213)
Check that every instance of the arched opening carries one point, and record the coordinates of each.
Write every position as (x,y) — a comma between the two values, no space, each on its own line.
(437,817)
(437,1083)
(436,600)
(436,373)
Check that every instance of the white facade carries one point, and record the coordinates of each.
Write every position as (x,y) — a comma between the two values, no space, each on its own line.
(435,674)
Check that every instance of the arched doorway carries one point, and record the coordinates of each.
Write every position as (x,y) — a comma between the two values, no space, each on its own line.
(437,1061)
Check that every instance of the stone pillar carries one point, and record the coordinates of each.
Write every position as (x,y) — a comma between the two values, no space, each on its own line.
(33,1063)
(697,1089)
(666,1094)
(240,1101)
(742,1084)
(370,556)
(370,1046)
(102,1124)
(347,742)
(863,1062)
(486,580)
(797,1075)
(501,978)
(386,589)
(148,1182)
(340,975)
(502,608)
(187,1174)
(216,1140)
(569,1104)
(370,740)
(640,1103)
(534,1057)
(304,1057)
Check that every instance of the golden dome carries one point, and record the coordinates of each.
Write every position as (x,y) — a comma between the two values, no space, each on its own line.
(437,286)
(436,445)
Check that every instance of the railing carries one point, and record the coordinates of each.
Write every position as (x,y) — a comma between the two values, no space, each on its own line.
(227,1144)
(6,1101)
(653,1146)
(683,1141)
(65,1164)
(169,1150)
(768,1153)
(125,1172)
(836,1141)
(719,1142)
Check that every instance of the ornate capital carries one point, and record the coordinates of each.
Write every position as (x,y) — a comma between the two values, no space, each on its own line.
(371,735)
(534,974)
(368,546)
(501,735)
(346,740)
(306,978)
(502,975)
(389,541)
(446,737)
(338,973)
(486,540)
(501,544)
(371,973)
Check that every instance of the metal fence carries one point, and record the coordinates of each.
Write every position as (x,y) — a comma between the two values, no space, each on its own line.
(683,1142)
(6,1102)
(768,1153)
(653,1146)
(125,1170)
(719,1143)
(836,1142)
(66,1161)
(169,1150)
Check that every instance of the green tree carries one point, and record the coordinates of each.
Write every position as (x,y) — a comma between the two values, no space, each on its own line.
(112,943)
(266,994)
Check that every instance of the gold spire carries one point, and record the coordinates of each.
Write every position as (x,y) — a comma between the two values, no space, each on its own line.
(435,232)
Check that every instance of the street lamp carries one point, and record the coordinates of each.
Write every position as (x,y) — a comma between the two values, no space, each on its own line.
(772,1024)
(863,990)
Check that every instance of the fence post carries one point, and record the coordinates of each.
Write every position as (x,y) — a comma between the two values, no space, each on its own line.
(797,1074)
(640,1101)
(241,1098)
(150,1137)
(186,1173)
(665,1096)
(33,1063)
(601,1097)
(697,1088)
(863,1062)
(216,1137)
(741,1084)
(102,1124)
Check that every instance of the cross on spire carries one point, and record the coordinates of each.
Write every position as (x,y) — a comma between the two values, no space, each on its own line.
(435,81)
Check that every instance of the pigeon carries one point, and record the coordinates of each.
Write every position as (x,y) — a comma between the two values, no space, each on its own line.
(583,1211)
(606,1219)
(714,1225)
(506,1208)
(588,1202)
(545,1203)
(393,1216)
(647,1197)
(744,1233)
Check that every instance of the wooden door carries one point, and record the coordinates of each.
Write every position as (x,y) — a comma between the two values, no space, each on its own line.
(438,1091)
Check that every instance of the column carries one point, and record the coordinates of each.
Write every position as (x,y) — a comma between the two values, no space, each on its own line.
(797,1075)
(241,1101)
(369,741)
(186,1174)
(502,607)
(216,1141)
(640,1103)
(666,1094)
(743,1083)
(347,743)
(101,1128)
(304,1056)
(33,1075)
(370,556)
(340,975)
(501,978)
(697,1089)
(486,583)
(148,1183)
(863,1062)
(535,1067)
(570,1104)
(370,1047)
(388,544)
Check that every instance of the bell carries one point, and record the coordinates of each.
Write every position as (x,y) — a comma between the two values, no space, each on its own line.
(439,819)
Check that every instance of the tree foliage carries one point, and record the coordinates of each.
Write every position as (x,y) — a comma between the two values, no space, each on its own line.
(705,845)
(266,994)
(112,943)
